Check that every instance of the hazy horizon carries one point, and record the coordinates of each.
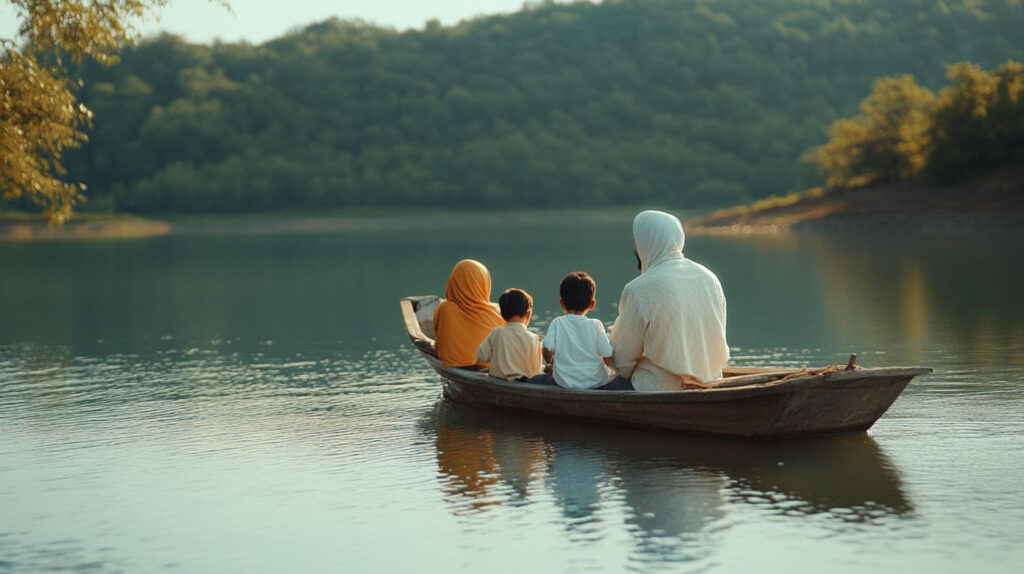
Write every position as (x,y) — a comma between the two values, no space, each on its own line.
(256,21)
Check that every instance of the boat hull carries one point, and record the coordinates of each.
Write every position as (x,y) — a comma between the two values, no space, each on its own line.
(813,405)
(758,403)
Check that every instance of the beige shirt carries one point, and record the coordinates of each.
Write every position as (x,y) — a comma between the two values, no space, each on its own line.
(513,352)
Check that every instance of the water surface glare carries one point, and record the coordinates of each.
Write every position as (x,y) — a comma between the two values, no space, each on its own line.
(251,404)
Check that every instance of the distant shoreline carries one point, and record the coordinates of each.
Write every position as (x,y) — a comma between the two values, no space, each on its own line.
(18,226)
(993,200)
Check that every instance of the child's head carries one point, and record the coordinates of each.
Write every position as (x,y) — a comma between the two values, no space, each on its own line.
(577,291)
(515,303)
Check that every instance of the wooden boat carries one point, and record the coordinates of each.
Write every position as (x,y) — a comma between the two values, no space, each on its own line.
(747,402)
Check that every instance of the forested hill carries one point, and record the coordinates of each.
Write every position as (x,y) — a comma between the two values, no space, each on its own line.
(684,102)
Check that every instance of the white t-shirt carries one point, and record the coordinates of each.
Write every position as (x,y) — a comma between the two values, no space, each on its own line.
(578,344)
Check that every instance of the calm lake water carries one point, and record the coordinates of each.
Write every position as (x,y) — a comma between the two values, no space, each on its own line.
(250,403)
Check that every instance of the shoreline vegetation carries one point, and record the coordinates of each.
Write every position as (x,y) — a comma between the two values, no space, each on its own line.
(632,102)
(911,156)
(22,226)
(994,199)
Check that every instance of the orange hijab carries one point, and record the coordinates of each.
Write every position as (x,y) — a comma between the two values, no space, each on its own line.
(465,319)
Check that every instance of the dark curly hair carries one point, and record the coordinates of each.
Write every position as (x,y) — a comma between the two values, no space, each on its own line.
(577,291)
(514,302)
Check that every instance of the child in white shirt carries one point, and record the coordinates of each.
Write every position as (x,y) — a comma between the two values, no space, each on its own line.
(578,346)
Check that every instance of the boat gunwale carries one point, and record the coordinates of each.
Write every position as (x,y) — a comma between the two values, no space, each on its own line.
(844,378)
(726,392)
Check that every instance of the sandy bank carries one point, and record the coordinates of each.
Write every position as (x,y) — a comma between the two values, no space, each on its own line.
(24,227)
(27,227)
(993,200)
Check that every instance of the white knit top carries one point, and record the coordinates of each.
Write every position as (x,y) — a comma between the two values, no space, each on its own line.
(579,343)
(672,317)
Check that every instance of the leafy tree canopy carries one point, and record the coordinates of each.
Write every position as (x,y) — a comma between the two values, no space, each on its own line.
(626,101)
(904,131)
(888,141)
(41,117)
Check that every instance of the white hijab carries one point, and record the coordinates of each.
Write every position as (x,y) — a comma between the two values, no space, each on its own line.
(658,237)
(672,317)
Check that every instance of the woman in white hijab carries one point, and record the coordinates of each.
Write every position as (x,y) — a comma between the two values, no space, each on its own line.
(671,323)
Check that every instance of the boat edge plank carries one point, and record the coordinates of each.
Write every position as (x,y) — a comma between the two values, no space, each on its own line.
(761,404)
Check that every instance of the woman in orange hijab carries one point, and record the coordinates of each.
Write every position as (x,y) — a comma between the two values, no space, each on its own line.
(467,316)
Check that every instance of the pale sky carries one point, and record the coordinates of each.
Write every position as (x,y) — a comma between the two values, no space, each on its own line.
(259,20)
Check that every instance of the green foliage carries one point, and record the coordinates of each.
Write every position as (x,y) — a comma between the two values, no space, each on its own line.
(41,118)
(904,131)
(888,141)
(979,121)
(623,102)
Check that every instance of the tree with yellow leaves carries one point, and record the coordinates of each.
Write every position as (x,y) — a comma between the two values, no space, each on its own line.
(40,117)
(904,131)
(978,121)
(887,141)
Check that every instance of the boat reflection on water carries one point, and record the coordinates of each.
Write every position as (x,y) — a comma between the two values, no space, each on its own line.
(467,463)
(670,487)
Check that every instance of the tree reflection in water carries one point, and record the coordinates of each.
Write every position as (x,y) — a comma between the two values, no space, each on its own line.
(671,488)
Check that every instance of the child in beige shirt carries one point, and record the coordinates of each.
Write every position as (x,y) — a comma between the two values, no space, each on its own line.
(513,351)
